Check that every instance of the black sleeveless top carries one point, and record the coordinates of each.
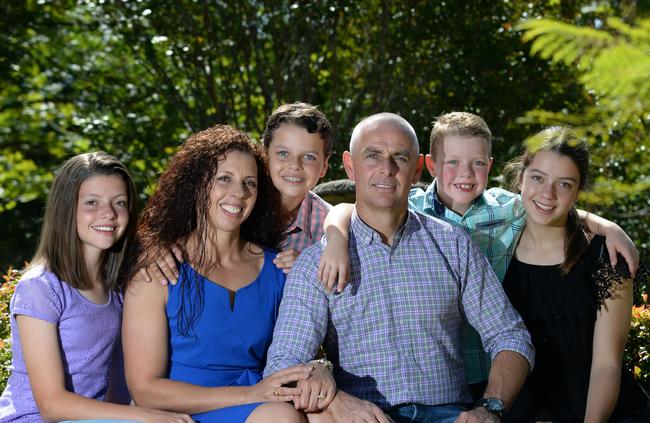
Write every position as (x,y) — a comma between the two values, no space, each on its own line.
(560,314)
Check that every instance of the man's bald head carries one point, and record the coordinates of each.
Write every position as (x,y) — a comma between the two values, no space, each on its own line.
(384,120)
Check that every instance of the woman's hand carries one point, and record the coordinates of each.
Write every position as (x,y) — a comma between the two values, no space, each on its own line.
(271,388)
(317,392)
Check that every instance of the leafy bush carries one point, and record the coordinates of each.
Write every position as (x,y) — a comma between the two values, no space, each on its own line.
(637,351)
(6,292)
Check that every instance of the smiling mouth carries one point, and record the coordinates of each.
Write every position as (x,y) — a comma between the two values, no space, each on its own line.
(464,187)
(384,186)
(109,229)
(231,209)
(543,208)
(293,179)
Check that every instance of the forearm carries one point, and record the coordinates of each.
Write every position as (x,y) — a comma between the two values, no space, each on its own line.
(604,385)
(594,223)
(66,405)
(338,219)
(507,376)
(172,395)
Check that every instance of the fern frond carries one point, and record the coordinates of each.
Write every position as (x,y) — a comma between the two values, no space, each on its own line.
(638,34)
(563,42)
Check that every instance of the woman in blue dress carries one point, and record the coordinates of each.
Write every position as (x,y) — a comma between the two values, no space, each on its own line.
(199,346)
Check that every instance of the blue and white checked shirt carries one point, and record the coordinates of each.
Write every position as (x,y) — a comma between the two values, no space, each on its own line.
(393,334)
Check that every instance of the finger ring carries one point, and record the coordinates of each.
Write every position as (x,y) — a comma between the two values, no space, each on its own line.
(275,393)
(321,396)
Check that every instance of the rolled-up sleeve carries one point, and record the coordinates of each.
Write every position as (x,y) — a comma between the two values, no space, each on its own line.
(488,310)
(303,316)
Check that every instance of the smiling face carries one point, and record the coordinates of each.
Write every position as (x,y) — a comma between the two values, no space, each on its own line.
(102,213)
(549,188)
(383,163)
(233,192)
(296,162)
(461,167)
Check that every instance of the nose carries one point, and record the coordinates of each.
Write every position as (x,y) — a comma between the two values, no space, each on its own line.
(295,163)
(465,170)
(238,190)
(548,191)
(388,166)
(107,211)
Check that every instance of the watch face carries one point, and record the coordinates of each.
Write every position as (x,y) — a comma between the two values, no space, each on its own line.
(494,404)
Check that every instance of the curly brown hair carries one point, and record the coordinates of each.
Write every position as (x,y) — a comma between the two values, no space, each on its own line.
(178,208)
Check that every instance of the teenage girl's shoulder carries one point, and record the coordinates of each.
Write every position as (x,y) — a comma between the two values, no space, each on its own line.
(40,293)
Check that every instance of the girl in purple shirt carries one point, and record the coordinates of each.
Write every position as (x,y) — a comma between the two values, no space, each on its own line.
(65,312)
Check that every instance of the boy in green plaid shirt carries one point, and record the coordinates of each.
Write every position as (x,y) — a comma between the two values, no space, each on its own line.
(460,160)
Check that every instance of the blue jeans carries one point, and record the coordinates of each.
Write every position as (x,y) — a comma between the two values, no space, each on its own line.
(418,413)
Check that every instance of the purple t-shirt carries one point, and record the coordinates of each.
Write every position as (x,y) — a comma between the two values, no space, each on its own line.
(87,334)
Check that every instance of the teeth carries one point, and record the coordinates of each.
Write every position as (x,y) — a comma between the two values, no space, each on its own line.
(465,186)
(543,207)
(291,179)
(231,209)
(383,186)
(104,228)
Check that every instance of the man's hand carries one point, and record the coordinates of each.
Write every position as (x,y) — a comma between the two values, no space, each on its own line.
(348,409)
(162,267)
(477,415)
(317,392)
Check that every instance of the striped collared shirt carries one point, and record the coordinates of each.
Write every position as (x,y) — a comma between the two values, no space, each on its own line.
(308,226)
(494,221)
(393,334)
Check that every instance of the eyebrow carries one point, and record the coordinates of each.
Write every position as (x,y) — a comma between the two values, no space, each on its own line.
(392,153)
(276,146)
(569,178)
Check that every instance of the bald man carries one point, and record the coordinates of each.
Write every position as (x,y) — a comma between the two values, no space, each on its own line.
(393,334)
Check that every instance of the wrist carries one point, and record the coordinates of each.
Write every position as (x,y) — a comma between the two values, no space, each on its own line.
(323,362)
(493,406)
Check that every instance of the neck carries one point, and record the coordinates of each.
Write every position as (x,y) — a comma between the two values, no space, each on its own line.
(459,209)
(386,221)
(289,209)
(542,236)
(218,247)
(94,263)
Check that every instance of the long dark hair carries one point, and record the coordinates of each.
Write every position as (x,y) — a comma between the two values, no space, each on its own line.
(561,140)
(59,248)
(179,206)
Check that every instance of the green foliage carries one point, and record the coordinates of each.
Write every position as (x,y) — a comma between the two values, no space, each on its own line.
(6,292)
(135,78)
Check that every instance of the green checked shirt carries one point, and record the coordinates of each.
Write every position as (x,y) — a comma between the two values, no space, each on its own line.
(494,222)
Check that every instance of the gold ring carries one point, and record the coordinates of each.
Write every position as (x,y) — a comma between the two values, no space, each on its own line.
(321,396)
(275,393)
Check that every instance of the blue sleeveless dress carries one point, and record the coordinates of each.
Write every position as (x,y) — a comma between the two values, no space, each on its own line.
(226,347)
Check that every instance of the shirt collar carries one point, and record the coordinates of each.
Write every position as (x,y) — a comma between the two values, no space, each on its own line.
(368,235)
(302,223)
(437,208)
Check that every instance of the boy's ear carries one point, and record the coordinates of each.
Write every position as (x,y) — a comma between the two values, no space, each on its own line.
(490,162)
(347,164)
(431,165)
(325,167)
(418,168)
